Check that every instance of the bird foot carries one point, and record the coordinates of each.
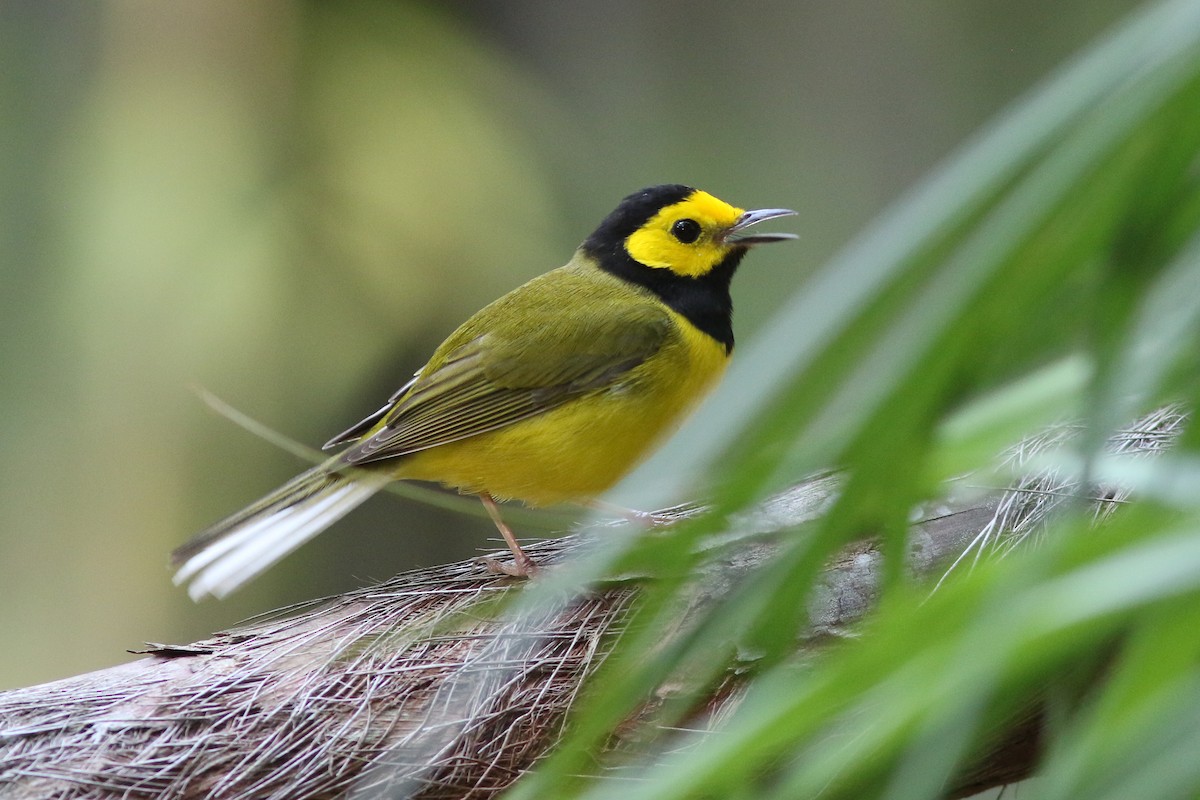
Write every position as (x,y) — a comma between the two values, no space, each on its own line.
(651,519)
(517,569)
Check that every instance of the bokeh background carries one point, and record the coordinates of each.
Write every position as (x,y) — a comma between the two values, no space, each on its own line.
(289,204)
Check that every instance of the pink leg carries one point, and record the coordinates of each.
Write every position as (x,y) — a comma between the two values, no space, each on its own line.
(632,514)
(523,566)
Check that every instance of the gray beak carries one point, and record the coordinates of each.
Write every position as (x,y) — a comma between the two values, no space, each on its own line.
(738,235)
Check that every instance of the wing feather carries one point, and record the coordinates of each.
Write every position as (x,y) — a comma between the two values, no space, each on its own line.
(492,380)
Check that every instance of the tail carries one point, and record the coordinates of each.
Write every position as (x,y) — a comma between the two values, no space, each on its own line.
(225,556)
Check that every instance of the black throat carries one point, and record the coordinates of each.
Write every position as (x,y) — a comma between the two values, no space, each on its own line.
(702,301)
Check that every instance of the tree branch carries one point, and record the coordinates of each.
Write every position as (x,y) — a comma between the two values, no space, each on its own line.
(413,683)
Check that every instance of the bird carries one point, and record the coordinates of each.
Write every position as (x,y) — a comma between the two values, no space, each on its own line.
(548,395)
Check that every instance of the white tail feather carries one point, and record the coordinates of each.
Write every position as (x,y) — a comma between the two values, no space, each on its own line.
(250,548)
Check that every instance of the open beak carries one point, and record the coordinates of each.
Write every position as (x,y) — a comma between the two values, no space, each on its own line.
(738,235)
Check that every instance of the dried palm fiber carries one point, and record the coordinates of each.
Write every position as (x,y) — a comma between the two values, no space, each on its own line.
(414,685)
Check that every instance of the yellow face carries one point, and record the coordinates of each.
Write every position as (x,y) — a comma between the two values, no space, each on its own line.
(685,237)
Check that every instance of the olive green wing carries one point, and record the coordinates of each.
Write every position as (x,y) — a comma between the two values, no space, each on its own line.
(505,373)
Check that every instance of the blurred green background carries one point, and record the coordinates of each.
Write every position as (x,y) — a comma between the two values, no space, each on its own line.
(289,204)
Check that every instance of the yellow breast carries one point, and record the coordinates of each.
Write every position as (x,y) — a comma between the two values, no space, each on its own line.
(580,449)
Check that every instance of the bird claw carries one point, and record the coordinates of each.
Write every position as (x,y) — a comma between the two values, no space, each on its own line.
(517,569)
(649,519)
(652,519)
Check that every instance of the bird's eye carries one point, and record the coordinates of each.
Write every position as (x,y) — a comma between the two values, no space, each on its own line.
(686,230)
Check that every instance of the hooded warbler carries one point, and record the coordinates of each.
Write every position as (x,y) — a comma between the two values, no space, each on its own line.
(548,395)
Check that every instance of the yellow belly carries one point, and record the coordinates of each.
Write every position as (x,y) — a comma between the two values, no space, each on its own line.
(582,448)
